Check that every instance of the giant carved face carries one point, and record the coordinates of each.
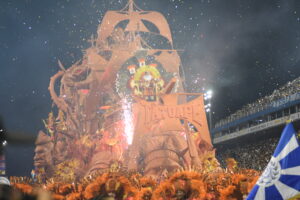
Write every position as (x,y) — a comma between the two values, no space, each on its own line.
(43,155)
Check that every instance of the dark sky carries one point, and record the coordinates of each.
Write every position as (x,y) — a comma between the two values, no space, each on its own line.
(241,49)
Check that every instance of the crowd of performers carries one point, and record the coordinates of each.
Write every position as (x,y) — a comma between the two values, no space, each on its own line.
(116,184)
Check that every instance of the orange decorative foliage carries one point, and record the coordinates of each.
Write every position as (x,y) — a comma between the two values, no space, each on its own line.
(25,188)
(196,185)
(65,189)
(92,190)
(58,197)
(74,196)
(226,192)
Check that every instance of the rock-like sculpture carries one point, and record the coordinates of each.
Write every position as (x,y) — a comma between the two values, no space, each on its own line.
(161,151)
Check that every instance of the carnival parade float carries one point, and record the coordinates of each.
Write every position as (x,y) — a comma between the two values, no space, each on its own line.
(122,123)
(123,102)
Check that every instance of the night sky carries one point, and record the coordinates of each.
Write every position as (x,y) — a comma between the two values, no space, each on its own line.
(242,50)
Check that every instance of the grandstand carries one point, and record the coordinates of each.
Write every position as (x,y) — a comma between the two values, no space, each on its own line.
(264,117)
(251,134)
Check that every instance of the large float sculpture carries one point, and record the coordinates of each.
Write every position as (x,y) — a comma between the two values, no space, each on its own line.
(123,104)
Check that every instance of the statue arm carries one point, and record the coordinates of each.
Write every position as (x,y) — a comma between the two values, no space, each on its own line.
(61,104)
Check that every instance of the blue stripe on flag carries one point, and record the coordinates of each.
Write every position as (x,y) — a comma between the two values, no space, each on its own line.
(291,160)
(291,180)
(272,193)
(286,135)
(253,192)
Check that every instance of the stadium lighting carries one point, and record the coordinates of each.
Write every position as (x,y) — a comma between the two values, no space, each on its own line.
(207,105)
(4,143)
(208,95)
(209,92)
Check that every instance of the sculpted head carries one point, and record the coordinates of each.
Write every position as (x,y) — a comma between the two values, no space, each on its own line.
(43,151)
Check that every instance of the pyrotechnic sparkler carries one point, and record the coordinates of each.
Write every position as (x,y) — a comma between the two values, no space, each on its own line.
(128,120)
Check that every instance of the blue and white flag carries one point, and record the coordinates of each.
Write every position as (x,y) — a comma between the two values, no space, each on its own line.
(281,178)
